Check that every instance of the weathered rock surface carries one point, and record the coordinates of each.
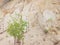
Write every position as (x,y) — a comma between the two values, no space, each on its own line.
(42,15)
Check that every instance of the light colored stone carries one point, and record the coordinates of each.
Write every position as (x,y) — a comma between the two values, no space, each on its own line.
(41,15)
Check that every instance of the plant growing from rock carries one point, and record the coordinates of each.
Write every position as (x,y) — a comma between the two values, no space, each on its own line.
(16,29)
(47,30)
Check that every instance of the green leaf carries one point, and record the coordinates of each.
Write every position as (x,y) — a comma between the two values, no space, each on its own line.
(16,29)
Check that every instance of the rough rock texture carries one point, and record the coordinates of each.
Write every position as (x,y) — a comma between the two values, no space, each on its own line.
(43,17)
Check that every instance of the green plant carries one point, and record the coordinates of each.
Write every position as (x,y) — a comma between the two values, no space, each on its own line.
(16,29)
(47,30)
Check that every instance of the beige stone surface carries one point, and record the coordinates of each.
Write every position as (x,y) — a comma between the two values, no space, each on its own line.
(42,15)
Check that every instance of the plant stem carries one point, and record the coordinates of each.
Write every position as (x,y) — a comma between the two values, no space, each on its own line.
(17,42)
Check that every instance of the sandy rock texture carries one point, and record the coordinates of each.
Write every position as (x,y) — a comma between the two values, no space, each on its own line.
(43,17)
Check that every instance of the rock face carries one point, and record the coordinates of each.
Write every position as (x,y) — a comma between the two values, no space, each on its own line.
(43,17)
(3,2)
